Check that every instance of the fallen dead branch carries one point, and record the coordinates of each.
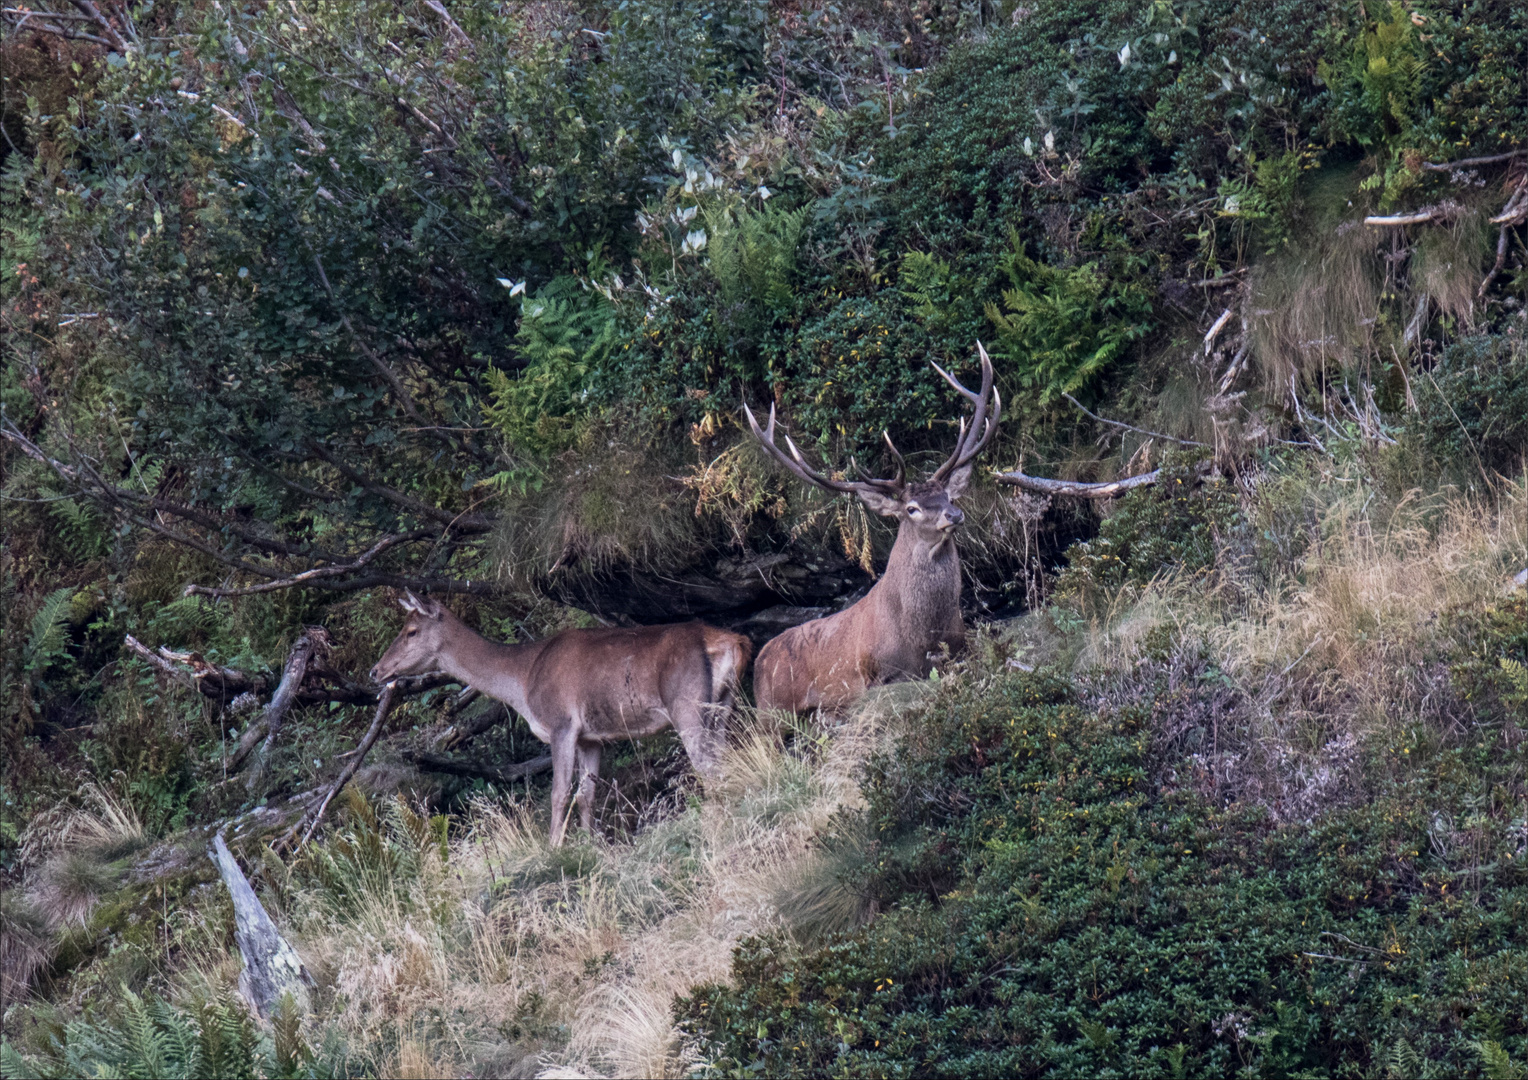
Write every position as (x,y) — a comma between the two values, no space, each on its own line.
(456,767)
(314,817)
(1106,490)
(314,640)
(272,968)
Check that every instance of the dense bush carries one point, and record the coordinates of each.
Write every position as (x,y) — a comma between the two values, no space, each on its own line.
(1060,908)
(1176,526)
(1472,410)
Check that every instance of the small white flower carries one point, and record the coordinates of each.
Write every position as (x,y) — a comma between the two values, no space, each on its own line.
(685,216)
(764,192)
(1050,142)
(1172,57)
(1029,146)
(695,241)
(1124,55)
(515,287)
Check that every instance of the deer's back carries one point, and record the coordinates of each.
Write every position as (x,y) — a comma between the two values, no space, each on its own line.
(624,682)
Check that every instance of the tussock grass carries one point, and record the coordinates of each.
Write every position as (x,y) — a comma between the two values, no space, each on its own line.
(85,846)
(1316,309)
(1284,679)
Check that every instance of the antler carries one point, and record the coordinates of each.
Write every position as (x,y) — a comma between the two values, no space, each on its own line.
(973,439)
(797,464)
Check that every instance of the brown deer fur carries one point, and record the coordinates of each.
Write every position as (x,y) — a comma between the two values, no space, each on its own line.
(913,611)
(580,689)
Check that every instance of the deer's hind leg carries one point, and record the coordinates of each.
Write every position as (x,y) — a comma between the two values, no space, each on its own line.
(564,758)
(702,741)
(588,773)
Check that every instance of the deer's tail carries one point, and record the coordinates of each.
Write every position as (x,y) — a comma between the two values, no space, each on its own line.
(729,654)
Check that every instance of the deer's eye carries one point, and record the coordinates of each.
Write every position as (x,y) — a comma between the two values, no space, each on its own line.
(413,630)
(914,510)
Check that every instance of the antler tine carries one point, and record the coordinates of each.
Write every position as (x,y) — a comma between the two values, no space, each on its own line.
(896,456)
(973,438)
(794,461)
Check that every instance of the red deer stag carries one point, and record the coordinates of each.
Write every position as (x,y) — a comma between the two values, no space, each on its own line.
(580,689)
(914,609)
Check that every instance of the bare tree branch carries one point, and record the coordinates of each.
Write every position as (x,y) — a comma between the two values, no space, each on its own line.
(461,522)
(456,767)
(314,817)
(316,575)
(1464,163)
(1107,490)
(314,640)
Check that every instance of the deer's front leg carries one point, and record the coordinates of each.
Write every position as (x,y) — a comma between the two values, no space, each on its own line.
(564,754)
(588,773)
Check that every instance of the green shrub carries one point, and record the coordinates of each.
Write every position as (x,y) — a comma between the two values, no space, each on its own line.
(1059,907)
(1176,525)
(1489,669)
(1472,411)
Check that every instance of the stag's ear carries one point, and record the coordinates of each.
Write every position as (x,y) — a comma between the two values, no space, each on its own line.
(959,480)
(883,504)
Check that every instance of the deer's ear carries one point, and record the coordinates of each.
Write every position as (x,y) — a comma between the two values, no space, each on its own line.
(408,601)
(431,609)
(885,505)
(959,480)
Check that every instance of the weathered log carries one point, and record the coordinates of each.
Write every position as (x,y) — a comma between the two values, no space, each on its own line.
(314,639)
(456,767)
(272,968)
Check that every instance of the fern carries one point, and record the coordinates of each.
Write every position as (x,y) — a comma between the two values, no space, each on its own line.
(49,636)
(1517,676)
(1402,1061)
(1498,1066)
(79,528)
(1062,326)
(149,1038)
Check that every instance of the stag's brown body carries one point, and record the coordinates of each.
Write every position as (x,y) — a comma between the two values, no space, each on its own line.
(909,616)
(580,689)
(912,614)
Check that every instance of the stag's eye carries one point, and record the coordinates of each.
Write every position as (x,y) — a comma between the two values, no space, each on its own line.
(914,510)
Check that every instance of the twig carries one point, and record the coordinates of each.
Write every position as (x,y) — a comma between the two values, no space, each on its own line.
(1128,427)
(314,817)
(455,767)
(159,663)
(405,399)
(1209,338)
(1512,215)
(1416,218)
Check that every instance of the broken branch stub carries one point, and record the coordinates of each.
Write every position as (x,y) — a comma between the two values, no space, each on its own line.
(272,968)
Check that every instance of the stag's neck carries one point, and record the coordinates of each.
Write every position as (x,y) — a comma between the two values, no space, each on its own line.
(922,577)
(499,671)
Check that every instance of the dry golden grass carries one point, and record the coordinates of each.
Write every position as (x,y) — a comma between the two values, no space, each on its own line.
(497,954)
